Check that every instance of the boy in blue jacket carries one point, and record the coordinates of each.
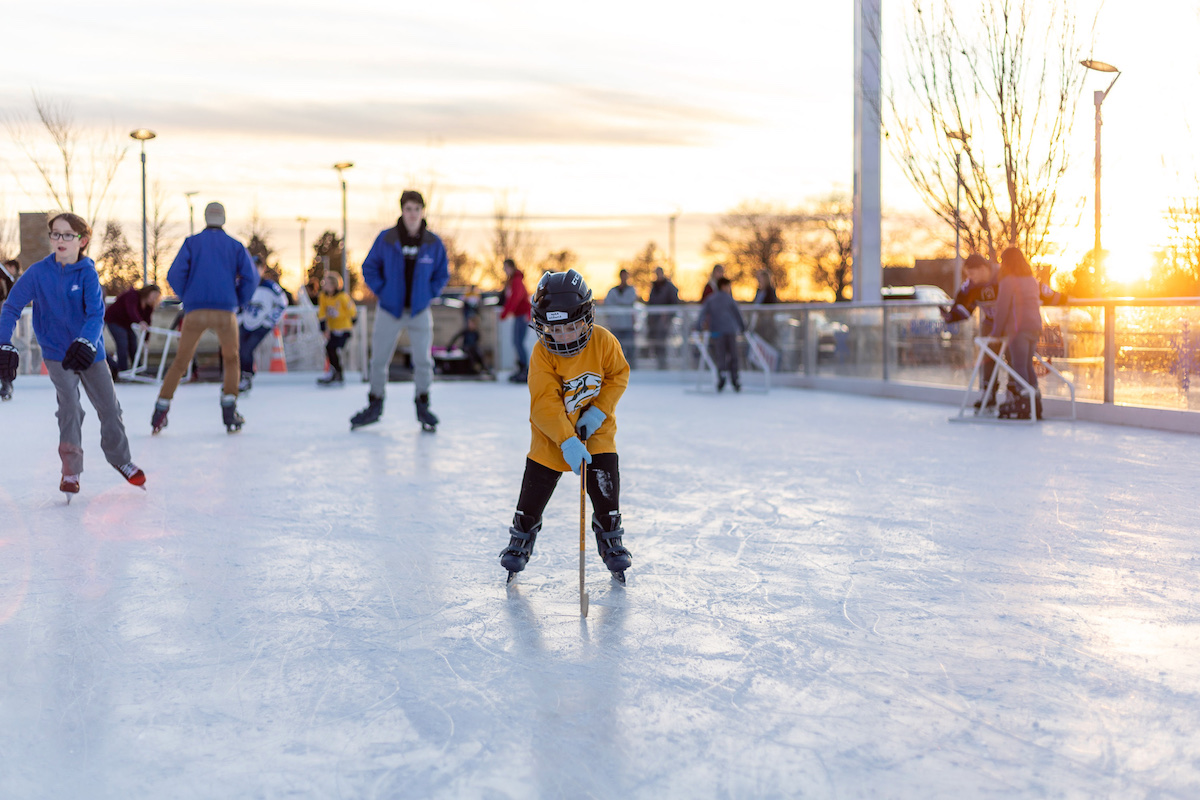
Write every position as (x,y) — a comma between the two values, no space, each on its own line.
(213,275)
(68,318)
(406,269)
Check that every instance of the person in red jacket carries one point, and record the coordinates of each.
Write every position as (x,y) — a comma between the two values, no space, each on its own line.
(131,309)
(516,305)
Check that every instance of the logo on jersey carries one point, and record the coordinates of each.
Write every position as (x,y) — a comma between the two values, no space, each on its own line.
(580,390)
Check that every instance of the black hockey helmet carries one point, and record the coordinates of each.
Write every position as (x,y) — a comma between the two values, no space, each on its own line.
(563,312)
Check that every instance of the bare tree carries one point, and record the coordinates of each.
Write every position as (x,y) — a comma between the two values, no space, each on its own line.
(751,237)
(557,261)
(641,267)
(161,238)
(511,238)
(825,242)
(1179,270)
(117,264)
(1009,82)
(76,167)
(465,269)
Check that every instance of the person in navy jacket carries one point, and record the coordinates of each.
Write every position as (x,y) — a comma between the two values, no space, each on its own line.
(213,275)
(68,319)
(406,269)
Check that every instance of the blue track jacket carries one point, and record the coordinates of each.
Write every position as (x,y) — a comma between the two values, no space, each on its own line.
(383,270)
(213,270)
(68,304)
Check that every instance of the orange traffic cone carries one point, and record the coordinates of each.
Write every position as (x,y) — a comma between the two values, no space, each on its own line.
(44,371)
(278,362)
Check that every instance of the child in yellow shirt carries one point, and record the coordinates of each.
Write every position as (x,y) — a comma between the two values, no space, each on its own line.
(577,373)
(337,313)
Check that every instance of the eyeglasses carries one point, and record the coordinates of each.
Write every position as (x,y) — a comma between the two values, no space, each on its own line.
(64,237)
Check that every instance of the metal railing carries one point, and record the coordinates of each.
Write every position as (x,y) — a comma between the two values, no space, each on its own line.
(1118,353)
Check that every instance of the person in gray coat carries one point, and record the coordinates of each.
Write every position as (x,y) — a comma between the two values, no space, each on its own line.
(1019,317)
(720,314)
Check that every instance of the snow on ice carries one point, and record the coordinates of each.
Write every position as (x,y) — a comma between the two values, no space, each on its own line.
(831,596)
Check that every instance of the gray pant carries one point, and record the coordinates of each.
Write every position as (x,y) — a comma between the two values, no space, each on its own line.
(383,345)
(97,382)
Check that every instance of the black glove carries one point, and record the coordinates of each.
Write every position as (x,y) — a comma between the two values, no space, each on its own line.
(80,355)
(10,359)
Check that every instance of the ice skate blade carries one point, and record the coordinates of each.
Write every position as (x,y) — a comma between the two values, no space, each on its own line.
(619,577)
(425,426)
(511,575)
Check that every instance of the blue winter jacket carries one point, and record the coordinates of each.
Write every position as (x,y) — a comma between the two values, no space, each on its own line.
(213,270)
(68,304)
(383,270)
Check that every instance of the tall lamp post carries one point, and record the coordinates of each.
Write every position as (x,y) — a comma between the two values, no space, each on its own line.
(341,166)
(143,135)
(191,213)
(961,137)
(303,271)
(1098,97)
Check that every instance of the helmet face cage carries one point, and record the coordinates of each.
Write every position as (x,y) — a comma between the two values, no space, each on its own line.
(563,312)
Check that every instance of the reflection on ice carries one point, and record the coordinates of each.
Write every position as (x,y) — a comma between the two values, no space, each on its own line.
(831,596)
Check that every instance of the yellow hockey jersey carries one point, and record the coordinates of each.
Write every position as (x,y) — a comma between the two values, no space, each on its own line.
(338,311)
(561,387)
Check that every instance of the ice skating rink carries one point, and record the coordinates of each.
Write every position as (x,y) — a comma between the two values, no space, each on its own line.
(831,596)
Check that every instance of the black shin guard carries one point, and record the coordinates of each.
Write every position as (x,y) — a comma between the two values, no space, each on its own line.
(522,536)
(608,532)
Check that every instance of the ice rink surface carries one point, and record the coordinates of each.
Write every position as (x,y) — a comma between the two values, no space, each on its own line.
(831,596)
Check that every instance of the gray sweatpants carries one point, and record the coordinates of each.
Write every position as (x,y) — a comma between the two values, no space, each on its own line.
(383,345)
(97,382)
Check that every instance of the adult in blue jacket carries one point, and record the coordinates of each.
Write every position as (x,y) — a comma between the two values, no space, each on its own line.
(406,269)
(68,318)
(212,274)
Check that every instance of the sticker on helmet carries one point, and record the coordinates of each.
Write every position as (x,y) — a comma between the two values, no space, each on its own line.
(554,316)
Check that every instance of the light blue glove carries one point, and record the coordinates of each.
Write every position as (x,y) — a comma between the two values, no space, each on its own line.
(575,454)
(589,422)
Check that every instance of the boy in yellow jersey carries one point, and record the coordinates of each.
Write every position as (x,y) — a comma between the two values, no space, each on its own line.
(337,313)
(577,373)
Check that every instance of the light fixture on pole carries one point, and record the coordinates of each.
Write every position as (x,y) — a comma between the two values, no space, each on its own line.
(143,135)
(961,137)
(1098,98)
(303,271)
(340,167)
(191,213)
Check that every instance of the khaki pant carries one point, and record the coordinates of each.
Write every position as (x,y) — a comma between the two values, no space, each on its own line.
(225,325)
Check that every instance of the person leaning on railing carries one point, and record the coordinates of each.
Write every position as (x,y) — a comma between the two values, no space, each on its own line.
(980,289)
(1019,317)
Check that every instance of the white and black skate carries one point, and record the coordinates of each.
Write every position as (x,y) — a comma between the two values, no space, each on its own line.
(428,421)
(246,383)
(608,542)
(368,415)
(158,420)
(5,390)
(520,547)
(230,416)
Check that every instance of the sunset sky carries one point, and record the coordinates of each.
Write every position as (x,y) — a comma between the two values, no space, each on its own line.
(600,121)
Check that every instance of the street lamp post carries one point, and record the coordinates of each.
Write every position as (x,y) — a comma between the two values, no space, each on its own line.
(191,213)
(961,137)
(671,242)
(303,271)
(143,135)
(340,167)
(1098,98)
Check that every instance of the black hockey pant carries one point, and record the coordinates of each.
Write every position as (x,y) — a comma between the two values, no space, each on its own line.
(603,487)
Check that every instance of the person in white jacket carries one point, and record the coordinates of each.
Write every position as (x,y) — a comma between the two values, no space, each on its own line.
(258,318)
